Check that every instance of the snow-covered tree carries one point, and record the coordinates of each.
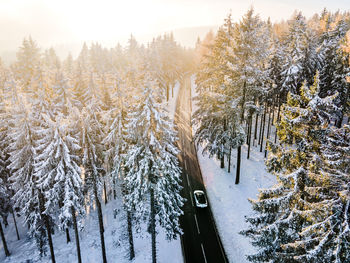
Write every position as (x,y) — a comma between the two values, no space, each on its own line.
(302,60)
(213,115)
(58,172)
(5,204)
(153,174)
(4,197)
(28,197)
(247,75)
(63,100)
(91,135)
(325,238)
(335,67)
(28,61)
(5,188)
(116,136)
(297,163)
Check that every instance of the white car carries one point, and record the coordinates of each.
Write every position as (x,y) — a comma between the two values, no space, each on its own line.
(200,199)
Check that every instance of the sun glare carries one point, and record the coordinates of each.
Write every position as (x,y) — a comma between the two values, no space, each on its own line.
(89,21)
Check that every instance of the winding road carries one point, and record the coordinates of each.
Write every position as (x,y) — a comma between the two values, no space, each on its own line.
(200,241)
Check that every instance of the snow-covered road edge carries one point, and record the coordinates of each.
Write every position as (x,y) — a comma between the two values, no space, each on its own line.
(229,202)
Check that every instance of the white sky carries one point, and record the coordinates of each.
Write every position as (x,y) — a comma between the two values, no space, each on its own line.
(52,22)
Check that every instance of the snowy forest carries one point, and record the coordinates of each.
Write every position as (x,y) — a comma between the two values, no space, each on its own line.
(89,137)
(72,132)
(295,76)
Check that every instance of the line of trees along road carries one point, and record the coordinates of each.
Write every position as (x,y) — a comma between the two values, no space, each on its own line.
(293,75)
(74,131)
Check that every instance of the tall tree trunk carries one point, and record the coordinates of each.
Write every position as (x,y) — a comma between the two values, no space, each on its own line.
(5,221)
(243,102)
(7,252)
(279,109)
(273,113)
(130,235)
(47,225)
(247,132)
(261,125)
(153,227)
(239,149)
(67,235)
(263,129)
(114,190)
(238,168)
(75,226)
(345,100)
(256,127)
(222,157)
(249,135)
(276,134)
(49,236)
(278,117)
(100,221)
(268,132)
(15,222)
(222,160)
(105,191)
(167,92)
(229,161)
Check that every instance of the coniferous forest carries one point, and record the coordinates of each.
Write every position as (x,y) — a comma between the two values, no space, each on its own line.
(294,76)
(91,137)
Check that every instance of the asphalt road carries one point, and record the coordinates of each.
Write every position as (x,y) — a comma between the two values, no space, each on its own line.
(200,241)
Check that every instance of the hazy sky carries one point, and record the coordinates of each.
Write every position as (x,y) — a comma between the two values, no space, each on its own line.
(52,22)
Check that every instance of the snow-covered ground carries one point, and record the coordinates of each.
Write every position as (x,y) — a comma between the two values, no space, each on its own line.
(171,104)
(229,202)
(116,239)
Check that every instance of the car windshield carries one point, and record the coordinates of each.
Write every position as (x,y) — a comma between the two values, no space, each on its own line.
(201,198)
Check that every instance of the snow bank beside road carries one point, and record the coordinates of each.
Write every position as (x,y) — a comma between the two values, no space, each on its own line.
(171,104)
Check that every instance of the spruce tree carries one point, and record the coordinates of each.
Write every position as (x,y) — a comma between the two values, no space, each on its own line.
(91,135)
(117,143)
(217,117)
(57,166)
(246,73)
(326,236)
(279,217)
(28,196)
(153,172)
(4,199)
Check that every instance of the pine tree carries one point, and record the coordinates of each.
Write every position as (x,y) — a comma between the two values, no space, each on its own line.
(64,98)
(5,204)
(27,196)
(4,198)
(153,178)
(280,210)
(246,59)
(57,167)
(326,237)
(116,146)
(302,61)
(28,61)
(217,118)
(92,160)
(335,68)
(115,140)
